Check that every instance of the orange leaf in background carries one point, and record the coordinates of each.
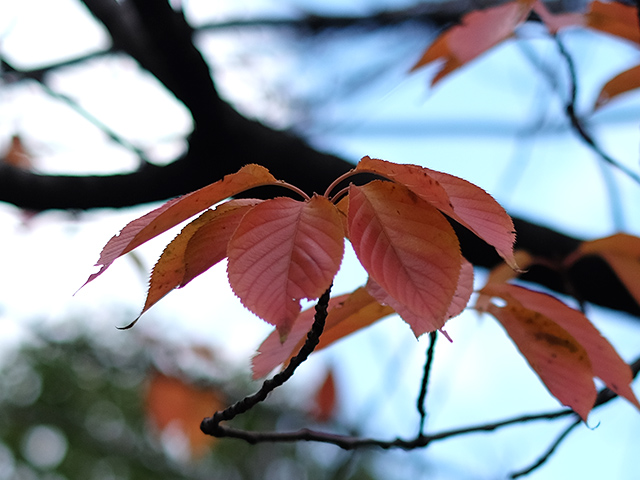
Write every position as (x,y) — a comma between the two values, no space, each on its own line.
(605,361)
(346,314)
(178,210)
(200,245)
(17,154)
(614,18)
(172,401)
(283,251)
(325,399)
(462,201)
(409,249)
(622,252)
(621,83)
(559,360)
(480,30)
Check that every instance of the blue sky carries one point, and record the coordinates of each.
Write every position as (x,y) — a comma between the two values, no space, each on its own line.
(495,123)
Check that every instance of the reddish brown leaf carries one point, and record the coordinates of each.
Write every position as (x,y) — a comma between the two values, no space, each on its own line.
(558,359)
(346,315)
(614,18)
(17,154)
(200,245)
(172,401)
(408,248)
(480,30)
(621,83)
(283,251)
(178,210)
(325,399)
(463,201)
(557,21)
(606,363)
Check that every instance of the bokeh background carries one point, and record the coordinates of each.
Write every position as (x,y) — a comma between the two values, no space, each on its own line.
(80,399)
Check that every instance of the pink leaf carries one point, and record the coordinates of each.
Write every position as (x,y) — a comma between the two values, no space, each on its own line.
(346,314)
(556,356)
(408,248)
(463,201)
(178,210)
(607,364)
(283,251)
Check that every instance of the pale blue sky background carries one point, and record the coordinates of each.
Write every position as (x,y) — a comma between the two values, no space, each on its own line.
(495,123)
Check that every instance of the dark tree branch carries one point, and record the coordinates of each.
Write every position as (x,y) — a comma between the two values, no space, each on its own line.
(211,425)
(425,380)
(421,440)
(223,141)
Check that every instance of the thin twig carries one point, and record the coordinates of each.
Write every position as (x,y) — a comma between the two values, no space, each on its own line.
(542,460)
(211,425)
(576,122)
(425,380)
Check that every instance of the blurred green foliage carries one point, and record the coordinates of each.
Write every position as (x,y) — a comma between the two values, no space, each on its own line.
(72,406)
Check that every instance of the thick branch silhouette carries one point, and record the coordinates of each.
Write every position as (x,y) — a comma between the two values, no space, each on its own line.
(222,141)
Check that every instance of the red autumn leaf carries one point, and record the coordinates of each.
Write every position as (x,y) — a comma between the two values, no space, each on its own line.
(557,21)
(283,251)
(408,248)
(479,31)
(325,399)
(621,83)
(458,302)
(172,401)
(178,210)
(606,363)
(200,245)
(622,252)
(346,314)
(463,201)
(614,18)
(559,360)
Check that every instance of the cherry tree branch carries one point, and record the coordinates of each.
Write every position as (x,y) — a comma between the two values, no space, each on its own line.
(425,380)
(211,425)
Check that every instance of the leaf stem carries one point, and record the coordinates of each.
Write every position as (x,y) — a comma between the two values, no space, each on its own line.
(211,425)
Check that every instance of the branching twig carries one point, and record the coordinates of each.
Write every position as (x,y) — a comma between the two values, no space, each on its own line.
(425,380)
(541,461)
(576,122)
(211,425)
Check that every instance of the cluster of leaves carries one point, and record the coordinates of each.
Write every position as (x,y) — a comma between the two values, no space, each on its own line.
(283,250)
(482,30)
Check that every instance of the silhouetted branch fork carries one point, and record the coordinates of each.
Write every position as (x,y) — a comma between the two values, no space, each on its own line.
(211,425)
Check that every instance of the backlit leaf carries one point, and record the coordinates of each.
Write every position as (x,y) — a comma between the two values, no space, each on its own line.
(178,210)
(479,31)
(559,360)
(557,21)
(621,83)
(283,251)
(408,248)
(606,363)
(346,314)
(461,200)
(201,244)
